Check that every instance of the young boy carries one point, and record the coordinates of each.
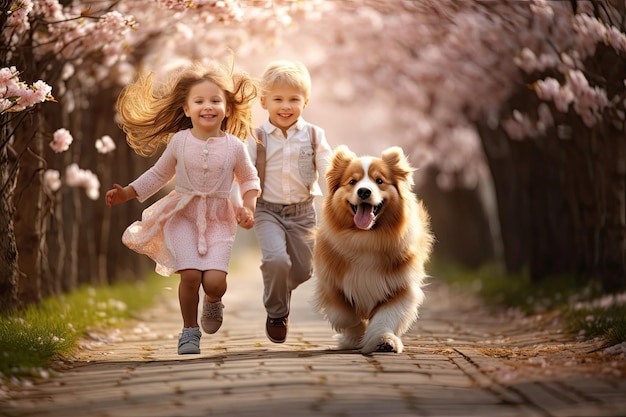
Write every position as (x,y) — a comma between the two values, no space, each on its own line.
(291,156)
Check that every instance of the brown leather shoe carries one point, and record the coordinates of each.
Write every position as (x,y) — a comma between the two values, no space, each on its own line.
(276,329)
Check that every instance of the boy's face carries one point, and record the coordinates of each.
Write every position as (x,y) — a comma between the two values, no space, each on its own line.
(284,105)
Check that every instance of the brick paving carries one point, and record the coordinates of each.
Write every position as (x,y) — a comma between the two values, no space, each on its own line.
(460,359)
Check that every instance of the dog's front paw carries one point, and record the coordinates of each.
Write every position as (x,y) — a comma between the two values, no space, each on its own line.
(385,347)
(388,342)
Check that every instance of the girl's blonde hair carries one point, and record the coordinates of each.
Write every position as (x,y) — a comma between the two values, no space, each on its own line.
(289,74)
(150,114)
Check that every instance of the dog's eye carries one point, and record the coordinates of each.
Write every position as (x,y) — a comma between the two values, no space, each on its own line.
(379,181)
(352,182)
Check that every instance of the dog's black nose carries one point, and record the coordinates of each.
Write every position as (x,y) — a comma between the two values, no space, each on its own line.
(364,193)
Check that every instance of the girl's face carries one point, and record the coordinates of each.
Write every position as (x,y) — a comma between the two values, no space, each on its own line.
(284,105)
(206,107)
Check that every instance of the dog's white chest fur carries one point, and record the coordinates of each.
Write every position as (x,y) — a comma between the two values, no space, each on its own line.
(364,288)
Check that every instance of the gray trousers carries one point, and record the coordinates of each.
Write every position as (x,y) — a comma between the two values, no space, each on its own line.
(284,234)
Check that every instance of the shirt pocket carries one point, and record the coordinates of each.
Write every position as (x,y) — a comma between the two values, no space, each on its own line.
(306,164)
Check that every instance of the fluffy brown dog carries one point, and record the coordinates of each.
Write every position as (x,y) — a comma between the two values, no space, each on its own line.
(371,246)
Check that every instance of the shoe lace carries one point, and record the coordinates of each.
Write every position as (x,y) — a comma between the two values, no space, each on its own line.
(188,337)
(213,310)
(281,321)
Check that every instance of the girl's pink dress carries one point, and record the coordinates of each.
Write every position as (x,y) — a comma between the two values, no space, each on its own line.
(193,227)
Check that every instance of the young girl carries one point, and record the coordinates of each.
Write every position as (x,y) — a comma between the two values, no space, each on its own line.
(203,115)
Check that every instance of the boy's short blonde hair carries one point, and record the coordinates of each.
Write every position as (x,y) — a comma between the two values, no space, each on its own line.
(289,74)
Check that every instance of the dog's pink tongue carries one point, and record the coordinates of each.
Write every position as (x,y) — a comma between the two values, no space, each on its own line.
(364,216)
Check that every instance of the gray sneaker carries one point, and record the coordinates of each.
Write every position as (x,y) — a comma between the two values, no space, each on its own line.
(212,316)
(189,341)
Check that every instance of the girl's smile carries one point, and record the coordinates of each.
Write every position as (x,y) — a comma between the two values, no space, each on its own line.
(206,107)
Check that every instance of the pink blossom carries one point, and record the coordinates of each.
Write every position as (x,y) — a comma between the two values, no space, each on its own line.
(546,120)
(526,60)
(50,8)
(36,93)
(76,177)
(5,105)
(589,101)
(105,144)
(6,74)
(18,15)
(68,71)
(547,89)
(19,94)
(616,39)
(518,126)
(541,8)
(550,89)
(547,61)
(590,32)
(563,99)
(61,141)
(51,179)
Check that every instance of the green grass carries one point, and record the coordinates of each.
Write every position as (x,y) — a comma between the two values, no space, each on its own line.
(32,337)
(602,317)
(586,311)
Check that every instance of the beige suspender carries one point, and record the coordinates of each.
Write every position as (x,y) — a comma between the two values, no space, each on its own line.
(261,158)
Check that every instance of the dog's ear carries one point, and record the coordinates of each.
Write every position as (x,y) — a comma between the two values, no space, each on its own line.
(340,160)
(399,164)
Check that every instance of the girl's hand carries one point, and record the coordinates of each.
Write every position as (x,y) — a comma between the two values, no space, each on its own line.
(245,218)
(118,195)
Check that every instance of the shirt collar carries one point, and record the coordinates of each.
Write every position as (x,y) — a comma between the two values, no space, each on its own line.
(270,128)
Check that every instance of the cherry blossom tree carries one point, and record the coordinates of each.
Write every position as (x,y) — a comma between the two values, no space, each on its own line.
(45,40)
(16,96)
(520,100)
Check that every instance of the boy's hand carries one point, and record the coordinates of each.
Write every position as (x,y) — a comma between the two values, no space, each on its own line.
(245,217)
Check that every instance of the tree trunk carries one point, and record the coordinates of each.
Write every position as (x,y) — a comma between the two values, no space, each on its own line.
(562,202)
(459,220)
(552,249)
(92,123)
(55,247)
(8,250)
(509,196)
(535,220)
(55,240)
(8,159)
(28,209)
(610,233)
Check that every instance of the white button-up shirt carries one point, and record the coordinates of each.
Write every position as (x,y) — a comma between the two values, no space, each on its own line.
(290,175)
